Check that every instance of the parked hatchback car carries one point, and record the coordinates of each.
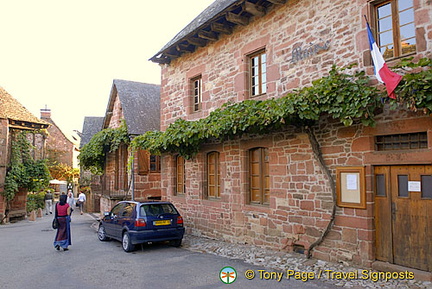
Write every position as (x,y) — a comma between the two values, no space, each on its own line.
(135,223)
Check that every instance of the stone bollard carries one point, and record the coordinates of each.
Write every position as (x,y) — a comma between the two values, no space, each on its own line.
(39,213)
(32,216)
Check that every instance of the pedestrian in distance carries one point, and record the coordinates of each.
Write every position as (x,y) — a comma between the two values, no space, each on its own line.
(71,201)
(81,200)
(62,214)
(48,198)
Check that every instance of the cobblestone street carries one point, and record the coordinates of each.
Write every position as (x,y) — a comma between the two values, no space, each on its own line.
(282,261)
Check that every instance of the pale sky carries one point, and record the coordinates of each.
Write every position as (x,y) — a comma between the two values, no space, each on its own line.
(65,54)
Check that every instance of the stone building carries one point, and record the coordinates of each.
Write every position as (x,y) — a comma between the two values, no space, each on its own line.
(59,149)
(271,190)
(137,105)
(91,126)
(15,118)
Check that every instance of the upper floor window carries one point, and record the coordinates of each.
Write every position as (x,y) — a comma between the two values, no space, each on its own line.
(180,176)
(395,28)
(196,88)
(259,178)
(213,175)
(258,73)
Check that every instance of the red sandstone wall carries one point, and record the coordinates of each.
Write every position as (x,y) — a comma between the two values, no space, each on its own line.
(300,202)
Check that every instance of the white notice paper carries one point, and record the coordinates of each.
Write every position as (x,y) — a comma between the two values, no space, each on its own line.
(351,182)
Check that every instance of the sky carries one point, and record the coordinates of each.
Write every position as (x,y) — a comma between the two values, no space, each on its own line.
(64,55)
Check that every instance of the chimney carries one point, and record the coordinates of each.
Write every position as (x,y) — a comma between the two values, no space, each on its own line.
(45,112)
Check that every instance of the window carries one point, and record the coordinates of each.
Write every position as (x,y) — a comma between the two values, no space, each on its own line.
(258,73)
(407,141)
(147,162)
(395,28)
(259,179)
(155,164)
(180,175)
(196,88)
(213,175)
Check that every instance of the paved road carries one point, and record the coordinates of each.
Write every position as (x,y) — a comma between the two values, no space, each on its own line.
(29,260)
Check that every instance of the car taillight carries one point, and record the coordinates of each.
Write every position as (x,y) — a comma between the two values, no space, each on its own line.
(180,220)
(140,223)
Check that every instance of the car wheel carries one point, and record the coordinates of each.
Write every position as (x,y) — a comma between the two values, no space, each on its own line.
(102,234)
(176,243)
(126,243)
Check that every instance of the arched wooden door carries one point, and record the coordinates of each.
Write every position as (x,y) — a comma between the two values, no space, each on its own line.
(403,215)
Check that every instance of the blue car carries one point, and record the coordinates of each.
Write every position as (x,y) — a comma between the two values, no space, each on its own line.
(135,223)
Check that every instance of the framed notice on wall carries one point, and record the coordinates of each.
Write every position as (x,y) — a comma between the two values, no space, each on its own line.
(350,187)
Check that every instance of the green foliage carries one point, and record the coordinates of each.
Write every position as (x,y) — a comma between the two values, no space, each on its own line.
(35,201)
(92,155)
(24,171)
(415,90)
(346,97)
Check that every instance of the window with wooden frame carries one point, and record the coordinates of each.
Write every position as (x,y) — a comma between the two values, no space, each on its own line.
(155,166)
(258,73)
(259,178)
(395,27)
(406,141)
(213,175)
(147,163)
(196,92)
(180,176)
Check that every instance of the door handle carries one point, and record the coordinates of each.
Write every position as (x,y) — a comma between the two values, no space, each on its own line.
(393,210)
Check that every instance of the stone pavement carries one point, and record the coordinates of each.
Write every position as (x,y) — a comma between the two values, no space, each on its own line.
(282,261)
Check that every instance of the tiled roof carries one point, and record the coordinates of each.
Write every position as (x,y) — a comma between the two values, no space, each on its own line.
(10,108)
(91,126)
(140,103)
(209,13)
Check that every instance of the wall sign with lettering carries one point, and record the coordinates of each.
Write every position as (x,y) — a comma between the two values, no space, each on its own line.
(300,53)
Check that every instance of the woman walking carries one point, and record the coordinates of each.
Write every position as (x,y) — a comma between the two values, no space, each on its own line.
(62,214)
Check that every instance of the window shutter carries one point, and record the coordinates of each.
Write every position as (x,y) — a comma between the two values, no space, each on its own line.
(143,162)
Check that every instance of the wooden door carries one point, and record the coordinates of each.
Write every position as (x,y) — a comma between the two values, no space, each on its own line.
(403,215)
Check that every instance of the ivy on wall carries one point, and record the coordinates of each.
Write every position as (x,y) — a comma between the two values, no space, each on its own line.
(24,171)
(345,95)
(92,155)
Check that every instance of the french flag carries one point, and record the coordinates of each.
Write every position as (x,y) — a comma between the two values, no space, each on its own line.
(382,72)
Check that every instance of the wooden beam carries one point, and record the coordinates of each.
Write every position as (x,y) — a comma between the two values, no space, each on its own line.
(277,1)
(161,60)
(221,28)
(254,9)
(185,47)
(208,35)
(197,41)
(237,19)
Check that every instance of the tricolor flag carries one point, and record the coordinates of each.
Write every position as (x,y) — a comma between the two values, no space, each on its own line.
(382,72)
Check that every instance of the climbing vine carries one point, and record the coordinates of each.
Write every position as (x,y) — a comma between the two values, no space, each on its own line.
(92,154)
(344,94)
(415,90)
(24,171)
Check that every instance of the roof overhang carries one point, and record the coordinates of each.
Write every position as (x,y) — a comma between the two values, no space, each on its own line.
(219,18)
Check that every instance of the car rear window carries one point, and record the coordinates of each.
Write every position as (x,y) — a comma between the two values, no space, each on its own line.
(157,209)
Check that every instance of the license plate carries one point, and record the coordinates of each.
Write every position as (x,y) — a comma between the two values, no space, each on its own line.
(162,222)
